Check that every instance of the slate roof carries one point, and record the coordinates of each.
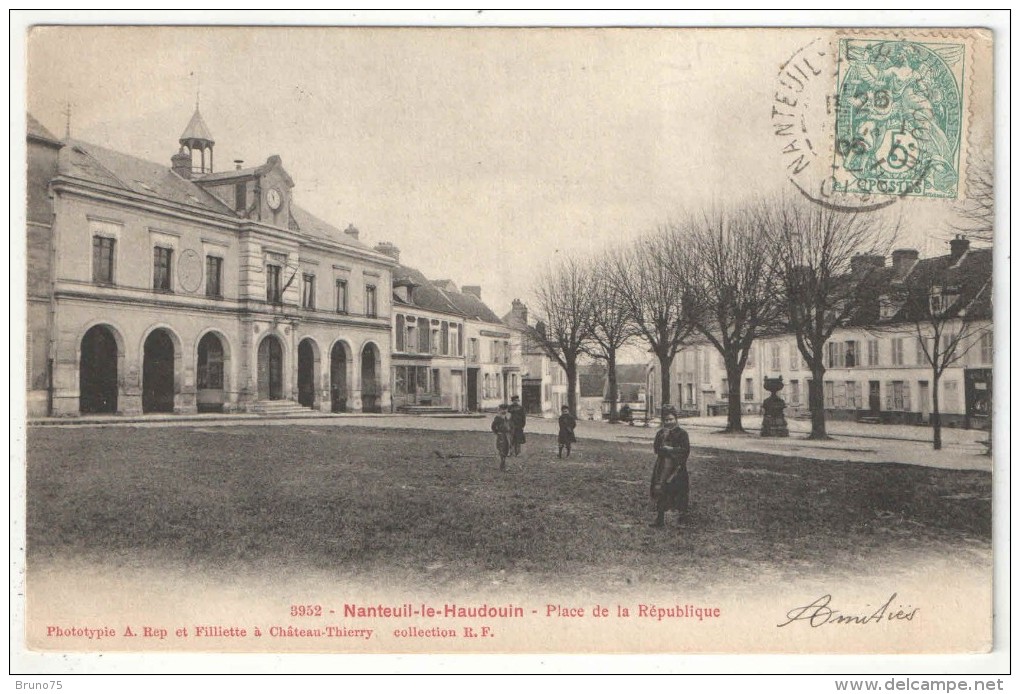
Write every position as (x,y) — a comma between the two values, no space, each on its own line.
(439,295)
(971,274)
(472,307)
(97,164)
(514,322)
(630,373)
(313,226)
(426,295)
(39,131)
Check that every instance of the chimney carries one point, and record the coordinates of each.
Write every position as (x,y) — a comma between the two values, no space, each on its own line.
(860,261)
(238,163)
(519,311)
(180,163)
(473,290)
(352,232)
(903,259)
(958,246)
(386,248)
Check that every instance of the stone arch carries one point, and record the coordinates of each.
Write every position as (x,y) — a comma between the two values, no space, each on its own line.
(370,370)
(309,369)
(100,360)
(341,374)
(271,366)
(212,380)
(161,355)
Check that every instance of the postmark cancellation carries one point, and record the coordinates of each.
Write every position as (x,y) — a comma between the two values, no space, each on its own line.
(899,117)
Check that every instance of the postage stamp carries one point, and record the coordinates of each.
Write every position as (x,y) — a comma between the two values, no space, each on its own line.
(899,117)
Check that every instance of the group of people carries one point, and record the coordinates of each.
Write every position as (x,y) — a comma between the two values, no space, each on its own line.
(508,426)
(670,487)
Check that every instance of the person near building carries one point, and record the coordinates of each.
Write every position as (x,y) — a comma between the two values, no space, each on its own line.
(566,436)
(626,414)
(518,418)
(670,487)
(501,428)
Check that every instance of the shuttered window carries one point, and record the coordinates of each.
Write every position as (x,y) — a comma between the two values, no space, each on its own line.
(424,338)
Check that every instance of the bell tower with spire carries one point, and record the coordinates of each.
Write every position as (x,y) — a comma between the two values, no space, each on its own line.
(195,157)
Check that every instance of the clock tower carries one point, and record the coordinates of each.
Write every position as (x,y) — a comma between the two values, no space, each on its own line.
(274,191)
(195,157)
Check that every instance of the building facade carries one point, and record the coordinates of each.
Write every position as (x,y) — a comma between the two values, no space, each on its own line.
(543,381)
(493,360)
(179,289)
(877,366)
(450,351)
(428,368)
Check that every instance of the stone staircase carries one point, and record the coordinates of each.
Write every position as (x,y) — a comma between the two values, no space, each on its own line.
(279,408)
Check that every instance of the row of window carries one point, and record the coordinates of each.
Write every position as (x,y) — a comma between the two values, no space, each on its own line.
(274,292)
(850,395)
(104,252)
(421,335)
(847,354)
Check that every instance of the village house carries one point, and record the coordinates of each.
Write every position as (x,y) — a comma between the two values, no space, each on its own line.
(876,368)
(543,381)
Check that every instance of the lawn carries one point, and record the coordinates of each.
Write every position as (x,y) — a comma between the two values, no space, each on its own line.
(370,500)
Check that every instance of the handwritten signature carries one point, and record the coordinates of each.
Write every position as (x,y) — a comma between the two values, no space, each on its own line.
(820,612)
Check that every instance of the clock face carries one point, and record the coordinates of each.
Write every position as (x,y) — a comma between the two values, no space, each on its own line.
(274,199)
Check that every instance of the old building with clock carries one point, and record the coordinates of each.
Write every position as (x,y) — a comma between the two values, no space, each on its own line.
(180,288)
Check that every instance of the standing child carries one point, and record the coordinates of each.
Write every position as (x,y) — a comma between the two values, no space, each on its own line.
(567,426)
(518,418)
(501,428)
(670,481)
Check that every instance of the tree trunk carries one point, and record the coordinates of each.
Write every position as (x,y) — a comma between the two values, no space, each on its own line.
(665,364)
(816,401)
(613,391)
(734,420)
(936,417)
(571,388)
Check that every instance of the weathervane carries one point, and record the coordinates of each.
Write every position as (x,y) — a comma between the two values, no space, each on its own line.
(67,123)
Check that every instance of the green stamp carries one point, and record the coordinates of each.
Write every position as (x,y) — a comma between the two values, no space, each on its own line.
(899,118)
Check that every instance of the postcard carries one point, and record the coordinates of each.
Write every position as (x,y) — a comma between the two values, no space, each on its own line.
(494,340)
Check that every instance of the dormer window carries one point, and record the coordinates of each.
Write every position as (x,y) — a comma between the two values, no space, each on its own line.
(887,308)
(942,299)
(404,288)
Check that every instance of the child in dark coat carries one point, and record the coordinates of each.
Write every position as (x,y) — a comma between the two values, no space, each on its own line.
(567,426)
(501,428)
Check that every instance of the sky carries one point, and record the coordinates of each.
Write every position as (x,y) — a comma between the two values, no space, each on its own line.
(483,154)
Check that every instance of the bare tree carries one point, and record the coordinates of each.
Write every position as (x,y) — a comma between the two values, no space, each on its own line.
(612,326)
(975,215)
(813,249)
(735,291)
(563,297)
(932,305)
(649,277)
